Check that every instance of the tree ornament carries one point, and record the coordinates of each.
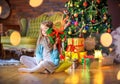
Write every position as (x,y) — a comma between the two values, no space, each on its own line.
(73,22)
(98,1)
(90,43)
(82,12)
(71,5)
(108,30)
(86,27)
(104,10)
(84,31)
(76,23)
(93,21)
(69,32)
(75,15)
(85,4)
(105,17)
(77,6)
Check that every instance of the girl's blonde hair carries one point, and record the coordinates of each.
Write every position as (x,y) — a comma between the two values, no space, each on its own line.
(47,24)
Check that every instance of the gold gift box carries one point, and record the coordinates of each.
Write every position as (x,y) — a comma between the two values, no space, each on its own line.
(78,44)
(70,41)
(78,41)
(82,55)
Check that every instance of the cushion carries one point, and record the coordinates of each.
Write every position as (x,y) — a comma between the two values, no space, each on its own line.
(63,66)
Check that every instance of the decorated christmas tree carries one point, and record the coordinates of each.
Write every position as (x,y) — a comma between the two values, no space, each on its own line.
(88,19)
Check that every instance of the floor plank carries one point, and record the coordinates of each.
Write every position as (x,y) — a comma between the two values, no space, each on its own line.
(105,75)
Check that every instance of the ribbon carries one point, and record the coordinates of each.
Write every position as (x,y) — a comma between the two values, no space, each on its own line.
(54,34)
(89,56)
(72,47)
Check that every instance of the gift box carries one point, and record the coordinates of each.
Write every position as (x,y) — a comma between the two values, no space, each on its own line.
(67,55)
(85,62)
(82,55)
(90,62)
(69,41)
(74,56)
(75,44)
(71,55)
(79,44)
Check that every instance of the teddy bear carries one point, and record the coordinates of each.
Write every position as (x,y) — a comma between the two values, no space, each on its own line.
(116,42)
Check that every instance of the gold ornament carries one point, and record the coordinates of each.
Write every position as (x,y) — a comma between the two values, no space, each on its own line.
(84,31)
(69,32)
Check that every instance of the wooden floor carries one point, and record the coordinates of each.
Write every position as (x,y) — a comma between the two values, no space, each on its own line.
(104,75)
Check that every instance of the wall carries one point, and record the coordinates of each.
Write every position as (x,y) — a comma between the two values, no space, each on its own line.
(114,11)
(21,8)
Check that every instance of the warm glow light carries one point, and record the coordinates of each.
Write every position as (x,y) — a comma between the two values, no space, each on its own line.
(98,77)
(98,54)
(35,3)
(118,75)
(72,79)
(106,39)
(0,10)
(15,38)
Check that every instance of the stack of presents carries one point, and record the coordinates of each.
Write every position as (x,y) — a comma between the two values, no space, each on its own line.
(76,53)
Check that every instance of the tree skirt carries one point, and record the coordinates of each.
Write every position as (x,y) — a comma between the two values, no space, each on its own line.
(9,62)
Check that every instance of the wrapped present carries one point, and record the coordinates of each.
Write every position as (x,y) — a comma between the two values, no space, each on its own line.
(78,43)
(74,56)
(86,61)
(70,41)
(67,55)
(82,55)
(75,44)
(70,46)
(71,55)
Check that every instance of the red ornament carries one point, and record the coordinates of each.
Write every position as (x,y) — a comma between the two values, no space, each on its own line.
(98,1)
(108,30)
(76,23)
(93,21)
(85,4)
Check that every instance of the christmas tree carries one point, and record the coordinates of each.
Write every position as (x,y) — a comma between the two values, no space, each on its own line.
(86,19)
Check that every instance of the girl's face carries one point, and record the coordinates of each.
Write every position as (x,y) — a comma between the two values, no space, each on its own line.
(44,29)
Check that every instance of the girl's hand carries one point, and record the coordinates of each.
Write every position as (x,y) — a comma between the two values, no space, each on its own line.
(55,44)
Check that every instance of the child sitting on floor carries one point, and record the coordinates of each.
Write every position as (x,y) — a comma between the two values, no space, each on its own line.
(46,57)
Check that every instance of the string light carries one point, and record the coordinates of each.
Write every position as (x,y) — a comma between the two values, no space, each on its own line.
(0,10)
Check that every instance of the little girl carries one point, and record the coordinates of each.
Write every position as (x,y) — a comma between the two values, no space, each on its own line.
(46,57)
